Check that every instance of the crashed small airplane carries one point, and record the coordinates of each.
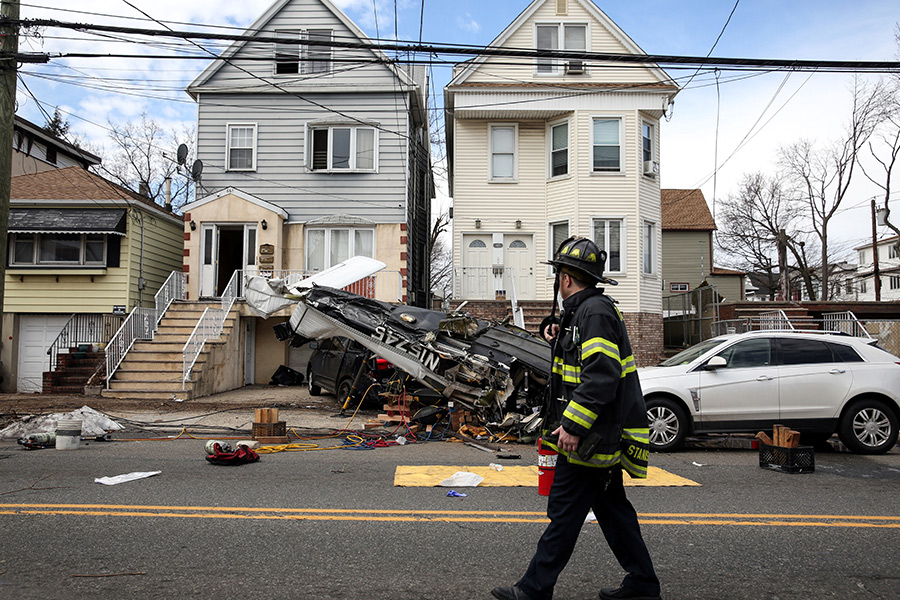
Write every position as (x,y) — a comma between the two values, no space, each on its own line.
(496,370)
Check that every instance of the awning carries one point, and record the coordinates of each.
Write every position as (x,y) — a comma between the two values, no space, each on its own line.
(67,220)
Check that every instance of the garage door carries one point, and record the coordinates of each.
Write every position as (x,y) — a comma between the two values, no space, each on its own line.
(36,334)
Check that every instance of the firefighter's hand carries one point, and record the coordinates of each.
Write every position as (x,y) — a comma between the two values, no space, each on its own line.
(567,441)
(551,331)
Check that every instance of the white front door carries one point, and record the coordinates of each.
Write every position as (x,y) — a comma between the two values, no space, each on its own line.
(518,258)
(208,247)
(225,248)
(36,334)
(477,277)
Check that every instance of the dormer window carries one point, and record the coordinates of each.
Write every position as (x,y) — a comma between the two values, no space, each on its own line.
(559,36)
(294,58)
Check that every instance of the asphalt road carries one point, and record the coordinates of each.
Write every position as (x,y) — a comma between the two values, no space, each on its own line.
(332,525)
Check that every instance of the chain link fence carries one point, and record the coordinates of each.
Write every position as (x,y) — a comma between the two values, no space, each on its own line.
(688,318)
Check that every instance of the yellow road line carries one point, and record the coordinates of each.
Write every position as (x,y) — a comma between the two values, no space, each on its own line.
(441,516)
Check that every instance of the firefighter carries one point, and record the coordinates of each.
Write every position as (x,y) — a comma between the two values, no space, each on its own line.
(597,422)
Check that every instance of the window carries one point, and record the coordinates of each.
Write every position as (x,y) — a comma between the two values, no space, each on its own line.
(649,248)
(293,58)
(608,236)
(843,353)
(317,59)
(862,286)
(51,155)
(287,53)
(559,232)
(241,147)
(893,251)
(895,282)
(72,249)
(327,247)
(679,287)
(548,37)
(559,150)
(607,149)
(804,352)
(343,148)
(503,145)
(647,142)
(748,354)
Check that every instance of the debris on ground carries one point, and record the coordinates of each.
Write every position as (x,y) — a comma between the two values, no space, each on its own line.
(93,424)
(117,479)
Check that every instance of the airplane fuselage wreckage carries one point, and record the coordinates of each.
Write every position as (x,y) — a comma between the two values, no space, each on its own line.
(497,371)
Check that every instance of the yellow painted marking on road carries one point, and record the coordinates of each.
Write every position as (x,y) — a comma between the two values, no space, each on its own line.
(438,516)
(515,476)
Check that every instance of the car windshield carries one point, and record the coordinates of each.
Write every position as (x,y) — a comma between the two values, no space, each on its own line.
(686,356)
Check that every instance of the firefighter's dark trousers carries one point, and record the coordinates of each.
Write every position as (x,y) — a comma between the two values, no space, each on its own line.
(576,490)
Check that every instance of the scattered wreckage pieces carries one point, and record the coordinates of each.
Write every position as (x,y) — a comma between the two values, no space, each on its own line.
(490,369)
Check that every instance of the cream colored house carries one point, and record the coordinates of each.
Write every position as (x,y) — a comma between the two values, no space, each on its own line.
(544,148)
(78,245)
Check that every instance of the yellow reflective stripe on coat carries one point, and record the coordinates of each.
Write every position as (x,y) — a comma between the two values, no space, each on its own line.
(636,453)
(580,414)
(628,366)
(598,344)
(569,373)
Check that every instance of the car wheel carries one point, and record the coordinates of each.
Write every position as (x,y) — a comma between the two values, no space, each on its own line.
(869,427)
(343,390)
(314,390)
(668,424)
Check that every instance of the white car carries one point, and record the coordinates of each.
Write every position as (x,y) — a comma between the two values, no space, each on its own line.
(815,383)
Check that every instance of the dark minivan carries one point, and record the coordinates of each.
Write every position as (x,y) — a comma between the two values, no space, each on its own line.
(334,363)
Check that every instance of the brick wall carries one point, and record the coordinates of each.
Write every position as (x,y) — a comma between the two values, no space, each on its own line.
(645,330)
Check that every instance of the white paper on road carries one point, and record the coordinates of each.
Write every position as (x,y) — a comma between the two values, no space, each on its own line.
(462,479)
(126,477)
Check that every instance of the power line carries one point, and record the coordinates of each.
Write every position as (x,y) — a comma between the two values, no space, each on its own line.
(654,59)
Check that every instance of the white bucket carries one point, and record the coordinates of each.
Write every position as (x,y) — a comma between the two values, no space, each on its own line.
(68,434)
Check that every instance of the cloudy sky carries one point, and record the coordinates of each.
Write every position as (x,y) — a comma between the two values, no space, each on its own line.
(742,121)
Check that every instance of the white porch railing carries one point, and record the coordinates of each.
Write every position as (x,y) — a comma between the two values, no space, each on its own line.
(776,319)
(142,323)
(845,322)
(492,283)
(210,326)
(383,285)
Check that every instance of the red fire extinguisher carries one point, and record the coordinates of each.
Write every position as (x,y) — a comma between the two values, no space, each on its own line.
(546,467)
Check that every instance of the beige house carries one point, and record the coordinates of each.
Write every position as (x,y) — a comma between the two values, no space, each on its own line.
(78,245)
(687,259)
(544,148)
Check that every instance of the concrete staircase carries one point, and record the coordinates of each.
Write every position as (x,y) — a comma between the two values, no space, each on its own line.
(152,370)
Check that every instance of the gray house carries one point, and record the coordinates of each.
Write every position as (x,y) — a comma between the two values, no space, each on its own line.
(312,153)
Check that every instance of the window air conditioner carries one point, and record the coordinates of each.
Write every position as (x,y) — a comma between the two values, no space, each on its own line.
(651,167)
(575,67)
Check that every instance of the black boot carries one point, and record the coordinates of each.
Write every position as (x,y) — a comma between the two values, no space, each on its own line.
(509,593)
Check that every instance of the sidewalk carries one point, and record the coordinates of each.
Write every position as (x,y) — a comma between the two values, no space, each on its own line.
(233,409)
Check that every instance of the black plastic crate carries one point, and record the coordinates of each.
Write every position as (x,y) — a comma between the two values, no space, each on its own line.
(801,459)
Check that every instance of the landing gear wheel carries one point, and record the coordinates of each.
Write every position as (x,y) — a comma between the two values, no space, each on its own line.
(314,390)
(869,427)
(668,425)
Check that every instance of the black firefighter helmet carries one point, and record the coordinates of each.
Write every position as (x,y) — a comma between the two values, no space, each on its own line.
(582,255)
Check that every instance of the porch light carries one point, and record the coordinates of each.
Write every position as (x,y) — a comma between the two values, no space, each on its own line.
(518,223)
(264,224)
(193,225)
(477,223)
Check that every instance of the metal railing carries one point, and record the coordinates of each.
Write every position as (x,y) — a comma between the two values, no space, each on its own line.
(517,313)
(139,325)
(210,325)
(845,322)
(83,329)
(142,323)
(776,319)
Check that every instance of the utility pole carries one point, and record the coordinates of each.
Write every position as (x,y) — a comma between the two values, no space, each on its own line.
(875,256)
(782,265)
(9,47)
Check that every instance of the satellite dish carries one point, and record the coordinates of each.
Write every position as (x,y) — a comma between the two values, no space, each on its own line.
(182,154)
(196,170)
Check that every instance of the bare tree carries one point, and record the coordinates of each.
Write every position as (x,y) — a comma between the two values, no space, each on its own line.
(143,157)
(441,256)
(884,148)
(751,222)
(822,175)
